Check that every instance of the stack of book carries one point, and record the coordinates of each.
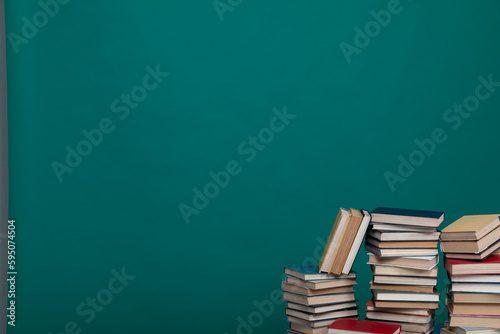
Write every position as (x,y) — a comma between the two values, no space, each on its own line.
(472,260)
(317,296)
(315,300)
(403,253)
(469,330)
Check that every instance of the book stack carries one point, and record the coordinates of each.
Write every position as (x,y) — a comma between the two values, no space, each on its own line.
(317,296)
(315,300)
(469,330)
(472,260)
(403,253)
(345,326)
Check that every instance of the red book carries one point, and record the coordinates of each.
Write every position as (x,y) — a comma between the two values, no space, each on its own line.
(490,265)
(344,326)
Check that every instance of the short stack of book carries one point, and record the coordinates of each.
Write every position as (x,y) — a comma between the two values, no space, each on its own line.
(315,300)
(472,260)
(403,253)
(469,330)
(317,296)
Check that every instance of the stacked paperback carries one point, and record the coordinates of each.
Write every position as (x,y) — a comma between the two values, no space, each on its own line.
(315,300)
(472,261)
(403,253)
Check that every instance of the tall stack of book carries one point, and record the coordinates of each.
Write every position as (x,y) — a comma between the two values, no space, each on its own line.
(472,260)
(317,296)
(315,300)
(403,253)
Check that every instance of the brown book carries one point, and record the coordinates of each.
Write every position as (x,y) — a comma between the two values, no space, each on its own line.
(418,319)
(459,297)
(409,327)
(398,304)
(333,244)
(395,287)
(407,280)
(474,246)
(371,307)
(318,300)
(401,244)
(398,271)
(427,262)
(494,249)
(310,292)
(470,227)
(346,243)
(474,309)
(322,316)
(321,284)
(397,252)
(474,321)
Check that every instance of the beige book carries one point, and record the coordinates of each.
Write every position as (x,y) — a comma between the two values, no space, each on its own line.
(318,300)
(310,292)
(474,246)
(474,321)
(396,287)
(346,243)
(357,242)
(407,280)
(470,227)
(401,244)
(400,304)
(321,308)
(397,271)
(417,262)
(321,284)
(333,244)
(473,298)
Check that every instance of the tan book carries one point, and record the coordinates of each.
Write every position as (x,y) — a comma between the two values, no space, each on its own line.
(333,244)
(401,244)
(396,287)
(417,262)
(371,307)
(318,300)
(310,292)
(494,249)
(474,246)
(418,319)
(474,321)
(409,280)
(358,240)
(470,227)
(414,328)
(473,309)
(399,304)
(397,271)
(446,331)
(346,243)
(321,308)
(459,297)
(321,284)
(321,316)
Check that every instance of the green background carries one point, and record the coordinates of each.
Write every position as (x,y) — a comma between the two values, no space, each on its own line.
(119,207)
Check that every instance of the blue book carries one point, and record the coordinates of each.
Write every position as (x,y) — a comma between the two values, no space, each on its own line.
(407,217)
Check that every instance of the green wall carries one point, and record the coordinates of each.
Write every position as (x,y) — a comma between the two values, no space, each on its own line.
(229,75)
